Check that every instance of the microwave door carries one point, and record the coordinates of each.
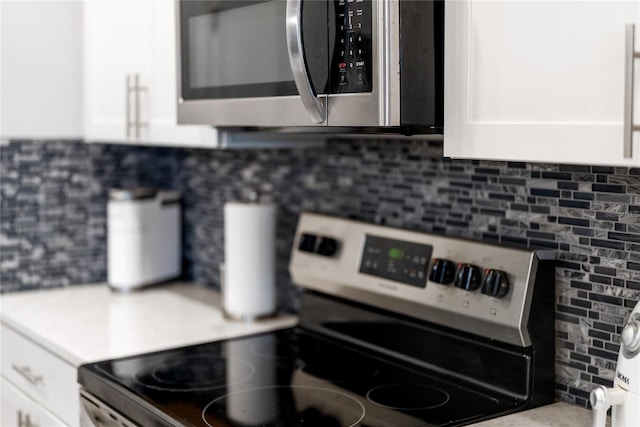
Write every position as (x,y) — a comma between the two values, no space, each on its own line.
(235,67)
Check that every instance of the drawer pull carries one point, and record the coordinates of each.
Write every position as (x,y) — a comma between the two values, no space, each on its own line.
(25,371)
(26,422)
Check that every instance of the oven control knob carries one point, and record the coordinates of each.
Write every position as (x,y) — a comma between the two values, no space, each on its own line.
(495,283)
(468,277)
(307,243)
(327,246)
(443,271)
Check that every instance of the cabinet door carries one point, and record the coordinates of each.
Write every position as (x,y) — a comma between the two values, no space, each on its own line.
(163,94)
(16,408)
(117,48)
(537,80)
(39,374)
(41,69)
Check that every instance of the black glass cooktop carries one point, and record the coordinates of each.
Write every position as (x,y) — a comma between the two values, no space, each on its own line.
(287,378)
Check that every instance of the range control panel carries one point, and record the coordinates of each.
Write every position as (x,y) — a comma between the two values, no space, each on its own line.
(352,55)
(410,263)
(473,286)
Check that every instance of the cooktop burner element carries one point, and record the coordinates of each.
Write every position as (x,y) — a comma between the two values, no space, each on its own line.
(295,405)
(192,373)
(397,328)
(408,397)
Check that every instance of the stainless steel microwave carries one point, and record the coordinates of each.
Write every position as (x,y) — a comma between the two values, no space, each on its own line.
(320,63)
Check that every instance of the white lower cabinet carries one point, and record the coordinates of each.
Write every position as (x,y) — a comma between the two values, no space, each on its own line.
(17,409)
(45,381)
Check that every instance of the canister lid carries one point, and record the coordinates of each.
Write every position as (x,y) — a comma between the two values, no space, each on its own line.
(170,197)
(251,196)
(125,194)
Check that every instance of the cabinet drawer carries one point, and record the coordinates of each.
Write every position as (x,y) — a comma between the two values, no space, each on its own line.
(40,374)
(18,410)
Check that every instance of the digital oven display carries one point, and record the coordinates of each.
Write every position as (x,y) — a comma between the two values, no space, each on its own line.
(397,260)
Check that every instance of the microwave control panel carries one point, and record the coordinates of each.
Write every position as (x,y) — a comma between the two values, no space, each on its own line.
(352,56)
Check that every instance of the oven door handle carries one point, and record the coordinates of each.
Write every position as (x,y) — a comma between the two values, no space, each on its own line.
(314,105)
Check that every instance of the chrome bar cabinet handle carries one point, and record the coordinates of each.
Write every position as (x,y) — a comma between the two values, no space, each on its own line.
(314,106)
(127,114)
(137,89)
(630,55)
(26,373)
(133,86)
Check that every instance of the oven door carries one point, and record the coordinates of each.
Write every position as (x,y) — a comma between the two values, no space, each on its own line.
(95,413)
(278,63)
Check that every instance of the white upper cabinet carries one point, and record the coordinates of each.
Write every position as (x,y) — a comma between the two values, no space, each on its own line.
(41,69)
(130,75)
(540,81)
(117,52)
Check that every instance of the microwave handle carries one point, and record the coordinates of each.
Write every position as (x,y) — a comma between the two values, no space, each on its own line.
(314,106)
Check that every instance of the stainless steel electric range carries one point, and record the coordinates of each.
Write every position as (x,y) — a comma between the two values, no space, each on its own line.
(397,328)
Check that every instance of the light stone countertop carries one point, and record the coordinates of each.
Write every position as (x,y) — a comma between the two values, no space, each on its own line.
(559,414)
(87,323)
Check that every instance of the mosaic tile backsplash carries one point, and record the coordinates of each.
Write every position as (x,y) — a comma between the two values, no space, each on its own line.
(53,218)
